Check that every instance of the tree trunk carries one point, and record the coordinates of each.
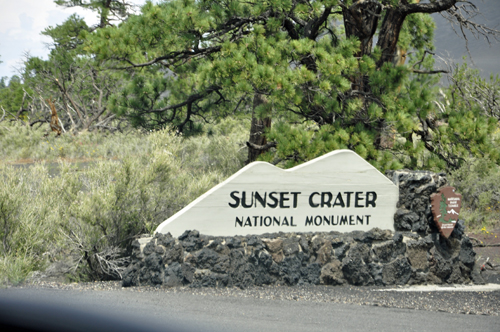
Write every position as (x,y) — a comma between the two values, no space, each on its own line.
(257,130)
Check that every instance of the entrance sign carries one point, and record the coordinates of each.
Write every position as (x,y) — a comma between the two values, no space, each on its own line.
(446,206)
(339,191)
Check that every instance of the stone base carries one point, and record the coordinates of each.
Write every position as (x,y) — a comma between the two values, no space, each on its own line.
(376,257)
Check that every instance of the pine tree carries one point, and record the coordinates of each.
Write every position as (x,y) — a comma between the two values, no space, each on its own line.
(442,209)
(312,66)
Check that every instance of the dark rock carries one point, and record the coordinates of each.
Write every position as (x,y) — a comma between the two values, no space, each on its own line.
(467,254)
(476,276)
(356,272)
(265,259)
(311,273)
(376,273)
(274,246)
(291,246)
(419,278)
(317,242)
(175,254)
(361,250)
(304,244)
(188,235)
(418,252)
(440,266)
(131,275)
(341,251)
(233,242)
(331,273)
(255,242)
(206,278)
(290,270)
(383,252)
(459,229)
(178,274)
(149,248)
(325,253)
(222,265)
(135,250)
(165,240)
(456,275)
(206,258)
(404,219)
(398,272)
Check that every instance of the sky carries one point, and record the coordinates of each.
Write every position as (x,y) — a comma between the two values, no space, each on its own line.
(21,22)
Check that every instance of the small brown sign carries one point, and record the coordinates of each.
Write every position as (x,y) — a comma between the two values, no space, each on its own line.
(446,206)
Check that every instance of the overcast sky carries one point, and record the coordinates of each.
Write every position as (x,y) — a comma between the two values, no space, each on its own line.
(21,22)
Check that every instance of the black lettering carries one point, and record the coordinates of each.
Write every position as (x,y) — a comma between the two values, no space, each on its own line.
(285,222)
(333,221)
(309,221)
(371,197)
(367,220)
(274,199)
(339,201)
(243,200)
(260,199)
(324,201)
(283,199)
(267,224)
(348,194)
(238,221)
(351,220)
(316,220)
(295,194)
(291,222)
(255,218)
(358,198)
(248,222)
(326,220)
(236,199)
(311,204)
(343,220)
(276,221)
(359,219)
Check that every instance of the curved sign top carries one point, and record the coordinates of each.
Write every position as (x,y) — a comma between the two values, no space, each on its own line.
(339,191)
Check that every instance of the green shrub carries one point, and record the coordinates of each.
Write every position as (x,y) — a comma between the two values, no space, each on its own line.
(93,212)
(478,182)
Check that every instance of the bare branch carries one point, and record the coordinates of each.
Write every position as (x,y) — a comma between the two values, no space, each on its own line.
(261,147)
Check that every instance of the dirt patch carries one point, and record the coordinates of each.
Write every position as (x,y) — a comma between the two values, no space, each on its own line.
(487,247)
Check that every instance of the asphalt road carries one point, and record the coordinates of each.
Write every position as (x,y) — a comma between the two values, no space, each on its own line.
(188,312)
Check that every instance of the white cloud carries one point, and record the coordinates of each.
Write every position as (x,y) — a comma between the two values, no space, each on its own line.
(21,22)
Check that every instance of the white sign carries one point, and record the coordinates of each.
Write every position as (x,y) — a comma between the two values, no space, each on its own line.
(339,191)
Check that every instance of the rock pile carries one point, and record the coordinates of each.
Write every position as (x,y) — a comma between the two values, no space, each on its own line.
(414,254)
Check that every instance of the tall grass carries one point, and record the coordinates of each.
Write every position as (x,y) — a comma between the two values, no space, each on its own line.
(479,183)
(91,214)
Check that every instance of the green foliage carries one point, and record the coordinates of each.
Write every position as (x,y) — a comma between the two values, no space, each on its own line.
(12,96)
(194,60)
(92,211)
(477,181)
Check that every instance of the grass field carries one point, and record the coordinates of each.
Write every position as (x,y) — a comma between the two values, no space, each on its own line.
(88,195)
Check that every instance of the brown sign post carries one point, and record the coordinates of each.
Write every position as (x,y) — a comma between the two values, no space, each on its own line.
(446,206)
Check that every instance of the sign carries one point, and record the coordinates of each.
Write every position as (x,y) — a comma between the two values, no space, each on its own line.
(339,191)
(446,206)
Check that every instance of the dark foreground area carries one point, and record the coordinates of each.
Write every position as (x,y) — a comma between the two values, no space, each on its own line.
(312,308)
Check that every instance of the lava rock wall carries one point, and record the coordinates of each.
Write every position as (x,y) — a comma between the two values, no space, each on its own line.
(414,254)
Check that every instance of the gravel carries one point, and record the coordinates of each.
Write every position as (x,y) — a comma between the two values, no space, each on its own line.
(457,302)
